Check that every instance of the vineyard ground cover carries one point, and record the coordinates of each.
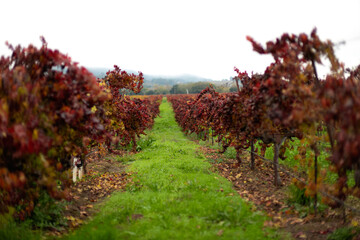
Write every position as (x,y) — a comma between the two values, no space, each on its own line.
(105,174)
(257,187)
(174,195)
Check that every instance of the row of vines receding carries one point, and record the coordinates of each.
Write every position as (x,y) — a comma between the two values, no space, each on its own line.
(51,109)
(288,101)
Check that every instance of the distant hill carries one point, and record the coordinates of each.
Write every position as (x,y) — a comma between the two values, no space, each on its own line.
(152,80)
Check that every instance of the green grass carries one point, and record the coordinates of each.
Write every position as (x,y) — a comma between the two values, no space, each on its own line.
(175,196)
(10,230)
(344,233)
(47,214)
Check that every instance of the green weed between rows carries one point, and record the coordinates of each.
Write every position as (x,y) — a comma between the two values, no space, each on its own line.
(176,196)
(47,214)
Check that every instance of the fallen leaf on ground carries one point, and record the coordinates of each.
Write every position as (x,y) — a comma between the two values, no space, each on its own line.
(220,232)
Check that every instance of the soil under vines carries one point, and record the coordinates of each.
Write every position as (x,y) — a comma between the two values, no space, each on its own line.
(258,188)
(105,174)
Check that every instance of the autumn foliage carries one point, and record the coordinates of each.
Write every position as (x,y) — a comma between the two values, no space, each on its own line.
(287,100)
(50,109)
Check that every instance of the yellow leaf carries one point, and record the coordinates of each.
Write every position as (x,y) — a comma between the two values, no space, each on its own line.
(354,223)
(277,225)
(238,176)
(303,236)
(70,218)
(35,134)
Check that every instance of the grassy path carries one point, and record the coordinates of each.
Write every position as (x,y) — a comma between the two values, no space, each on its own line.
(177,196)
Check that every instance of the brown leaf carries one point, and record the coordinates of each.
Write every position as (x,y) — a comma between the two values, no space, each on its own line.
(136,216)
(82,208)
(295,221)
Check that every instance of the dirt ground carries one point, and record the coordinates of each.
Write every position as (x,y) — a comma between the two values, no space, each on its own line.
(257,187)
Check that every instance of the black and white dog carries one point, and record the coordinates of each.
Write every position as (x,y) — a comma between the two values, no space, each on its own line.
(78,167)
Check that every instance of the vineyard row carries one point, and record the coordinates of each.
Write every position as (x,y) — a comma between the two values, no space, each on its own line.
(285,102)
(52,109)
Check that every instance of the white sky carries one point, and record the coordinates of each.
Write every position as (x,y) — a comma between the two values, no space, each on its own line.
(204,38)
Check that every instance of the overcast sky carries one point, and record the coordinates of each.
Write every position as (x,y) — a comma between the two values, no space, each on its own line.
(204,38)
